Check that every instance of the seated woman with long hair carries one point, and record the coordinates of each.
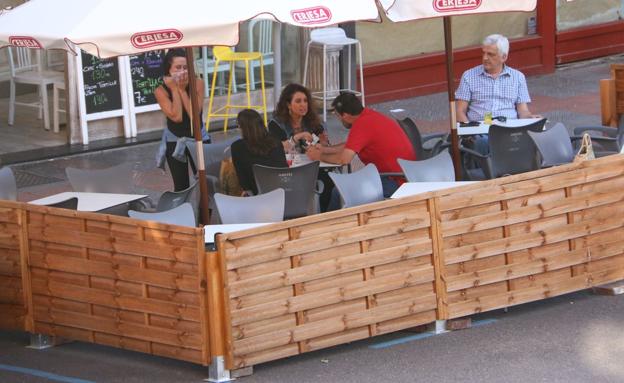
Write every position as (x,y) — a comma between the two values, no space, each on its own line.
(295,119)
(256,146)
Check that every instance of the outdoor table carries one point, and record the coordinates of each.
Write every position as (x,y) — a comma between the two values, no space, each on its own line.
(413,188)
(90,201)
(303,159)
(211,231)
(484,128)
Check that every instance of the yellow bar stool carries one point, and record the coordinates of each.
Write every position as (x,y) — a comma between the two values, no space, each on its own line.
(225,54)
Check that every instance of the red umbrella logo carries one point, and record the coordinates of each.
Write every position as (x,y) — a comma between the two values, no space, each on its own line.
(24,41)
(455,5)
(313,15)
(153,38)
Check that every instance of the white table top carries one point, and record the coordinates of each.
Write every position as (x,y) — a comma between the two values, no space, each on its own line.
(413,188)
(90,201)
(210,231)
(302,159)
(483,128)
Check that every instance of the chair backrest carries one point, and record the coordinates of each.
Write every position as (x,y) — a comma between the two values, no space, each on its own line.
(554,145)
(259,36)
(116,179)
(182,215)
(21,60)
(298,182)
(413,134)
(435,169)
(8,185)
(267,207)
(221,52)
(512,150)
(170,199)
(71,204)
(214,153)
(358,188)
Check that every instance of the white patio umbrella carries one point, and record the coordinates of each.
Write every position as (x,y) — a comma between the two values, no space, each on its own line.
(108,28)
(404,10)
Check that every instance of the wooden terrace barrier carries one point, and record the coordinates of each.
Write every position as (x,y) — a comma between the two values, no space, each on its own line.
(12,306)
(314,282)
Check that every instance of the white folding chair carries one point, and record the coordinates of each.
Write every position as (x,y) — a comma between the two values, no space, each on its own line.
(25,70)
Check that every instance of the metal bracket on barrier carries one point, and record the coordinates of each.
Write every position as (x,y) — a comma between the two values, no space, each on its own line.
(217,371)
(41,342)
(439,327)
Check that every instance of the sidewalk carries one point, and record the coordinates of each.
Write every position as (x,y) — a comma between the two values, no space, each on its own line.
(569,95)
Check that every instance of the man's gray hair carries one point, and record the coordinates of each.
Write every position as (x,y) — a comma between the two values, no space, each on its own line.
(501,43)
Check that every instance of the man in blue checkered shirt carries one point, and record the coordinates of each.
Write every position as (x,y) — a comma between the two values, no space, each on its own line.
(492,87)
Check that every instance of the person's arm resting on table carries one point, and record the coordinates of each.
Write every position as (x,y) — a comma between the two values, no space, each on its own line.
(336,154)
(462,110)
(524,112)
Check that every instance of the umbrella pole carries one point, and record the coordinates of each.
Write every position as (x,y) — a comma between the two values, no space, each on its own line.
(196,124)
(448,46)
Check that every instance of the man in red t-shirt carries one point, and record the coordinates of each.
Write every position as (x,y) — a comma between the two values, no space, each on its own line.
(374,137)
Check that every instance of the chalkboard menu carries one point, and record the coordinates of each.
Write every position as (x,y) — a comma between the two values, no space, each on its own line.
(102,91)
(146,73)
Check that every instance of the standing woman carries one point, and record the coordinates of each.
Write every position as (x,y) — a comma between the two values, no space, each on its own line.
(175,102)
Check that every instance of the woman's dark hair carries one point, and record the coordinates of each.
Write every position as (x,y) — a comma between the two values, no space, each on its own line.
(311,119)
(171,53)
(254,132)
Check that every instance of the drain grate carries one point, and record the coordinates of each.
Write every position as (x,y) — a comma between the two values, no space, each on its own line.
(26,179)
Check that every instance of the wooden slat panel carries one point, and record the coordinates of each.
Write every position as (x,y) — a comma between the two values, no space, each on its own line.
(132,330)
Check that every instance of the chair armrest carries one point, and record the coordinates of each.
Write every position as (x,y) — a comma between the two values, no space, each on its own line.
(320,187)
(472,152)
(144,205)
(608,131)
(484,161)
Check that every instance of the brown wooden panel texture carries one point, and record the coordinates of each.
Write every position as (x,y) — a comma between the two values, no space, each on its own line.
(119,282)
(321,281)
(533,236)
(12,306)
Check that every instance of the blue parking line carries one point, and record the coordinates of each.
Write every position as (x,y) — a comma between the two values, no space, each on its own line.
(483,322)
(43,374)
(423,335)
(405,339)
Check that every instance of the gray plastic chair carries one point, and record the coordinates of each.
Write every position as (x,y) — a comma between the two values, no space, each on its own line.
(435,169)
(554,145)
(182,215)
(606,140)
(267,207)
(511,152)
(8,185)
(420,143)
(299,184)
(117,179)
(214,153)
(71,204)
(171,199)
(358,188)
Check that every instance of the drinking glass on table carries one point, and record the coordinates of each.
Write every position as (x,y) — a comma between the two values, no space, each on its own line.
(487,118)
(290,156)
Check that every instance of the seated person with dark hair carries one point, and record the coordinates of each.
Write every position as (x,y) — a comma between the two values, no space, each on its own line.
(375,138)
(256,146)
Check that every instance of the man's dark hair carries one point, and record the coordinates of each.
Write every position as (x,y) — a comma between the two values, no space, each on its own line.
(347,102)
